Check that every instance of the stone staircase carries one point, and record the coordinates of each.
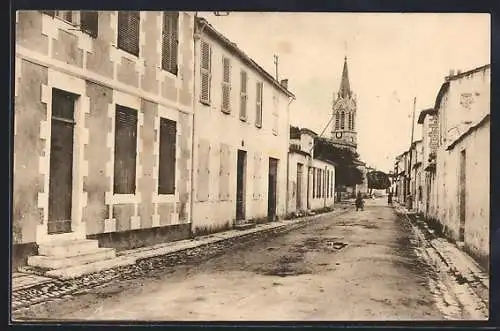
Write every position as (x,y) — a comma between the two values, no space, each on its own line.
(74,258)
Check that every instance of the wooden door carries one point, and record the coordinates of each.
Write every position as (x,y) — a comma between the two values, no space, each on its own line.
(299,186)
(240,185)
(61,162)
(272,186)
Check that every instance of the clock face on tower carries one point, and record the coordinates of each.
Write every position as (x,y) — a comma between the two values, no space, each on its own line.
(338,135)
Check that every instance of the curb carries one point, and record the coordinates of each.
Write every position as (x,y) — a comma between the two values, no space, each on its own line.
(156,259)
(472,279)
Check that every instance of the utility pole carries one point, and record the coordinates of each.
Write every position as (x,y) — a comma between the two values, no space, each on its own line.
(410,201)
(276,60)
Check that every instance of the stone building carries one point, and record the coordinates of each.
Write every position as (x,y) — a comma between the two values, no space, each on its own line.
(311,180)
(241,136)
(344,111)
(102,133)
(463,160)
(430,135)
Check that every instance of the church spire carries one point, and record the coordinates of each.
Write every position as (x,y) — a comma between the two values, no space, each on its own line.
(345,88)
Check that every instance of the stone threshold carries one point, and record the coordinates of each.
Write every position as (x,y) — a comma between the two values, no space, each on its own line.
(35,288)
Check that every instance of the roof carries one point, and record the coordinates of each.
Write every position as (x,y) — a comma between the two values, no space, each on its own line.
(425,112)
(473,128)
(345,88)
(467,73)
(306,130)
(239,53)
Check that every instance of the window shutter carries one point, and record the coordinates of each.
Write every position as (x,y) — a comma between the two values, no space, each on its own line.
(337,121)
(243,95)
(342,120)
(226,84)
(205,72)
(168,138)
(170,42)
(258,117)
(128,31)
(89,22)
(125,150)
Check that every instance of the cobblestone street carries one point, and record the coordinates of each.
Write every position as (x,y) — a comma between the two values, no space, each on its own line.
(367,265)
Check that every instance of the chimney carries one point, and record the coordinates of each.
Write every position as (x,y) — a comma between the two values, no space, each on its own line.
(284,83)
(452,73)
(459,71)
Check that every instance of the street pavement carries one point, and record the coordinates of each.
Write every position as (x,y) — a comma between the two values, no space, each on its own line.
(365,265)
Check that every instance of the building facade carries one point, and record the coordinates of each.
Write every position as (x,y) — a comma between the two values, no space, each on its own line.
(102,128)
(311,181)
(463,160)
(241,136)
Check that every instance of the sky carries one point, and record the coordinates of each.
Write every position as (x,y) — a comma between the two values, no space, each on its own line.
(392,59)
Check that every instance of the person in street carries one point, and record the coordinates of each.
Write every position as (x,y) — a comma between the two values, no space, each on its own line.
(359,202)
(389,198)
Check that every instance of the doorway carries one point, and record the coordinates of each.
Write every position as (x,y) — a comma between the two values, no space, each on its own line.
(240,185)
(61,162)
(272,186)
(299,186)
(462,195)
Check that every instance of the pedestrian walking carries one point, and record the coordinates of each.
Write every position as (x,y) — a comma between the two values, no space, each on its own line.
(389,198)
(359,202)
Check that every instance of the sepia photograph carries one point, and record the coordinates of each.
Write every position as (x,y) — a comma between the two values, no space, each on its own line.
(250,166)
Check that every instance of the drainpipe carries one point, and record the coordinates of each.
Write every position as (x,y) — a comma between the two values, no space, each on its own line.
(196,36)
(290,100)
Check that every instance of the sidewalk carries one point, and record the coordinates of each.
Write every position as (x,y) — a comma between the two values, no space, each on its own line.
(462,266)
(29,289)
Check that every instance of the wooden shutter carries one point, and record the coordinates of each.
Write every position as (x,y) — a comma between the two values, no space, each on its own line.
(314,182)
(168,138)
(89,22)
(205,68)
(128,31)
(226,84)
(243,95)
(125,150)
(342,120)
(258,105)
(170,42)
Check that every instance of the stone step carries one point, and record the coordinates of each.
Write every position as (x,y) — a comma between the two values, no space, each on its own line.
(68,248)
(244,226)
(56,262)
(90,268)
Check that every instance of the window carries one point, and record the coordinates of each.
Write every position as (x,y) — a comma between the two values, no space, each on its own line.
(352,119)
(226,85)
(89,22)
(206,72)
(67,15)
(170,42)
(342,120)
(349,116)
(337,121)
(125,150)
(166,176)
(128,31)
(243,95)
(328,183)
(258,105)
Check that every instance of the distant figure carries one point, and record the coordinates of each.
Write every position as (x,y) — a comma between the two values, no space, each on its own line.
(389,198)
(359,202)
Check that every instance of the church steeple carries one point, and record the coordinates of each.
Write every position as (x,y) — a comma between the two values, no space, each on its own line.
(345,88)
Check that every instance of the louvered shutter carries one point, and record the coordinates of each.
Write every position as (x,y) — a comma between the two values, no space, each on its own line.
(226,84)
(342,120)
(128,31)
(205,68)
(337,121)
(89,22)
(125,150)
(243,95)
(170,42)
(258,114)
(168,138)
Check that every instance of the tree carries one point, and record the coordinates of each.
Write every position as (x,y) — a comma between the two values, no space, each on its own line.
(346,162)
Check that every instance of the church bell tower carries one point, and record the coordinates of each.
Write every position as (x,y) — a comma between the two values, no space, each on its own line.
(344,111)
